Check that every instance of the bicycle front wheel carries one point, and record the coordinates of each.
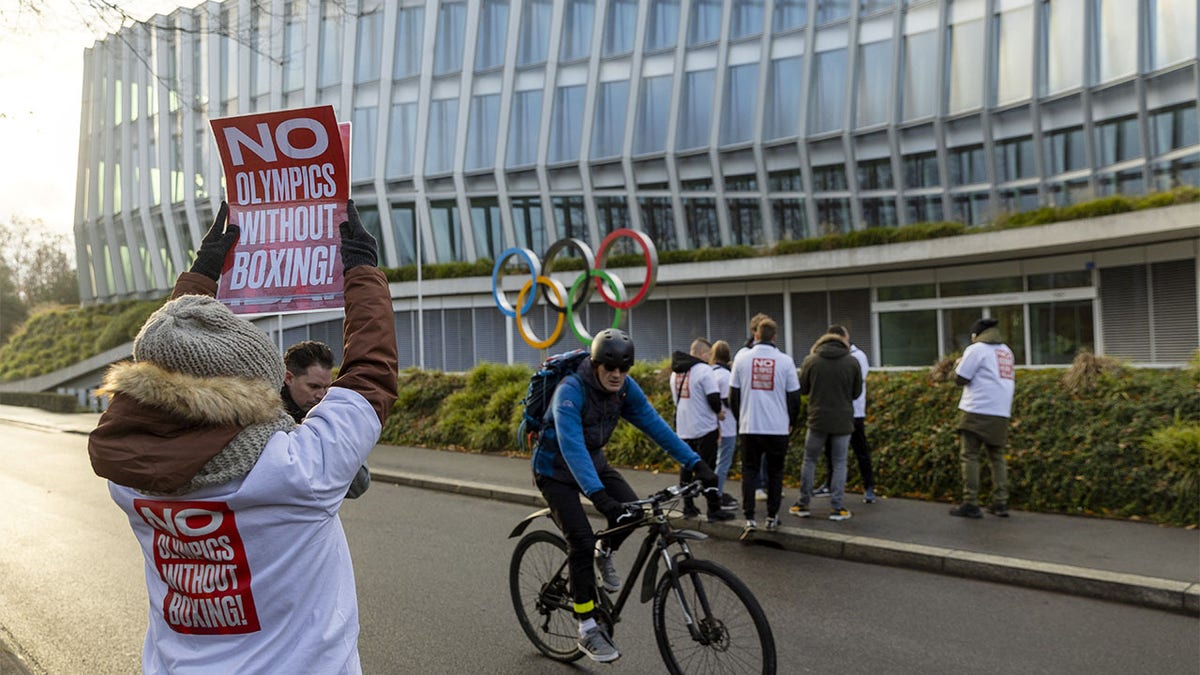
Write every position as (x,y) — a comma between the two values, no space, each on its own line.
(731,633)
(541,595)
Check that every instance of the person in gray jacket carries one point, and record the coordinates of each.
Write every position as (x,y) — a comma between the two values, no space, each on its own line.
(832,379)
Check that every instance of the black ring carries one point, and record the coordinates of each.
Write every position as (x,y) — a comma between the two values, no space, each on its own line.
(589,263)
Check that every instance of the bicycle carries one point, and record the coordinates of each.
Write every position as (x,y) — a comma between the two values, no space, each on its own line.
(705,618)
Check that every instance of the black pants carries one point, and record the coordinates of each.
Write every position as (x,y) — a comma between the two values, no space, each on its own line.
(568,513)
(862,455)
(706,447)
(759,449)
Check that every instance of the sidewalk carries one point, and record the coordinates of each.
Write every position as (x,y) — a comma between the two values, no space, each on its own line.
(1121,561)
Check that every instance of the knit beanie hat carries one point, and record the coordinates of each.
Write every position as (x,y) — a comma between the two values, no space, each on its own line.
(197,335)
(982,325)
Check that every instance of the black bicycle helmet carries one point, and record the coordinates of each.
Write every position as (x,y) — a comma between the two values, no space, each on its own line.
(613,349)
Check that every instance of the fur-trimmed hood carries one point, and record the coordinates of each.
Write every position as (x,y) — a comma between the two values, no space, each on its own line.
(162,429)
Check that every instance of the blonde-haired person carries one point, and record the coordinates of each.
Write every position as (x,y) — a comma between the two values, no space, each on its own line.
(721,361)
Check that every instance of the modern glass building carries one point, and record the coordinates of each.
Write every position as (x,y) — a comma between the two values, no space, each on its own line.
(484,124)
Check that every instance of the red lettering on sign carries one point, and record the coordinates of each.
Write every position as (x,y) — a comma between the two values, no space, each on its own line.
(685,387)
(199,555)
(1004,362)
(762,374)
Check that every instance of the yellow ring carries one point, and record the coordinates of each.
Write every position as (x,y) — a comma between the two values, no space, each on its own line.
(523,321)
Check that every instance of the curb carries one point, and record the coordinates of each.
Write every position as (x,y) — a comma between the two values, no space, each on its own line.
(1133,589)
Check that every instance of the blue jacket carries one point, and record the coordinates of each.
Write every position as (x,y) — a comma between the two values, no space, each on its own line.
(580,420)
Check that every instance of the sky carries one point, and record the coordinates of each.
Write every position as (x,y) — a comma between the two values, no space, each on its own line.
(41,70)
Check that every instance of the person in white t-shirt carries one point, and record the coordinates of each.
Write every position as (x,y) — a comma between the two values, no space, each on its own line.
(697,407)
(764,395)
(720,362)
(986,374)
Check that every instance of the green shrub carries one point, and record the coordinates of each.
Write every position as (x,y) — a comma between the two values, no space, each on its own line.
(124,326)
(59,403)
(1175,450)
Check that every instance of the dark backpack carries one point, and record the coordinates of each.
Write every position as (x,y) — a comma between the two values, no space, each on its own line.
(541,390)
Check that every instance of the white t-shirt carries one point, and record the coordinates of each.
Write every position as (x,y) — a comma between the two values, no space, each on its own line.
(860,403)
(728,425)
(693,416)
(989,367)
(764,375)
(254,575)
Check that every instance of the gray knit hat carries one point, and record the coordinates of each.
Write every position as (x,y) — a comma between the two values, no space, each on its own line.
(197,335)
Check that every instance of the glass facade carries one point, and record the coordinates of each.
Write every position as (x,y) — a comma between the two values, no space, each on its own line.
(705,123)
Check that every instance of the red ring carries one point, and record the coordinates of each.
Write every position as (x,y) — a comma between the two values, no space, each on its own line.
(651,257)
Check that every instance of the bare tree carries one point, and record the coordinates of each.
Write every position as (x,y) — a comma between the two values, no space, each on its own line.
(38,263)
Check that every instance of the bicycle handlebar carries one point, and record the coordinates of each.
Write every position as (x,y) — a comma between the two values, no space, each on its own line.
(669,493)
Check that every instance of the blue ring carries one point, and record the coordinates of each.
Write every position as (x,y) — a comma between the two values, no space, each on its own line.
(534,265)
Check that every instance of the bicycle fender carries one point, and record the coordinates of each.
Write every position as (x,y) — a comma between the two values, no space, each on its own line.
(689,534)
(524,524)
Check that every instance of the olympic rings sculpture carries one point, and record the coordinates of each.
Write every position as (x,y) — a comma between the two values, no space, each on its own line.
(568,303)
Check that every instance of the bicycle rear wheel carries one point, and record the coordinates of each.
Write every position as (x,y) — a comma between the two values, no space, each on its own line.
(735,636)
(541,595)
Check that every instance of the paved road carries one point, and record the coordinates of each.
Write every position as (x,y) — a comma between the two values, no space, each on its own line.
(432,572)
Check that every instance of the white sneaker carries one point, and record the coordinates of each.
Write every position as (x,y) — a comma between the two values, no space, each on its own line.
(760,495)
(748,531)
(773,524)
(598,646)
(610,579)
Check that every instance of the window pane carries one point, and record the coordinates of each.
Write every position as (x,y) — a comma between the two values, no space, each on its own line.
(493,28)
(741,93)
(409,30)
(612,213)
(966,65)
(1119,140)
(833,216)
(331,43)
(953,289)
(1064,150)
(570,218)
(879,212)
(1014,61)
(523,128)
(658,221)
(404,219)
(619,27)
(1118,35)
(746,18)
(875,174)
(829,178)
(957,324)
(369,47)
(402,135)
(448,46)
(663,25)
(1174,28)
(790,219)
(745,222)
(924,209)
(527,222)
(481,136)
(704,22)
(703,230)
(293,46)
(608,131)
(874,82)
(783,98)
(967,166)
(832,10)
(1175,128)
(535,32)
(1014,159)
(567,124)
(920,88)
(1064,64)
(487,227)
(577,29)
(908,292)
(362,144)
(695,111)
(789,14)
(1060,330)
(447,233)
(908,338)
(439,152)
(1052,280)
(828,93)
(653,106)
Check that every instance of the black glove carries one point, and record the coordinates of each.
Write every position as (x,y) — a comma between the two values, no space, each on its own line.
(210,258)
(705,475)
(358,246)
(606,505)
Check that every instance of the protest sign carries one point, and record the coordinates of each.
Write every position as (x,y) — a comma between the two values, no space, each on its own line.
(287,180)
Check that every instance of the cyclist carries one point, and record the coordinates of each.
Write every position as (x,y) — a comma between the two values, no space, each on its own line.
(569,459)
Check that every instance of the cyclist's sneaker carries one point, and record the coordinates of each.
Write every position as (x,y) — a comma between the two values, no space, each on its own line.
(822,491)
(748,531)
(610,579)
(598,646)
(839,514)
(773,524)
(869,496)
(728,503)
(800,510)
(760,495)
(966,510)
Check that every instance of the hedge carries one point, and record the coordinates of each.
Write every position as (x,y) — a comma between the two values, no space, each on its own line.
(1122,444)
(58,403)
